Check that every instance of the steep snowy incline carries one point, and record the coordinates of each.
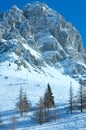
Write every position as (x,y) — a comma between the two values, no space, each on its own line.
(33,82)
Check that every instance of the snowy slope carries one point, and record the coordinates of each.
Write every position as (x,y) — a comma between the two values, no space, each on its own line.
(12,79)
(34,83)
(74,122)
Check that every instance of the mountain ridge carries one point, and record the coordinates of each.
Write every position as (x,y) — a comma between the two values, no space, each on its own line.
(45,31)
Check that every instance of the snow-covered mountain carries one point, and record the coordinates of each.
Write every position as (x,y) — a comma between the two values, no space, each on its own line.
(38,35)
(37,47)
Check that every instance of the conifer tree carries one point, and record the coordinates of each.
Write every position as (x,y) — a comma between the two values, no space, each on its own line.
(80,102)
(26,104)
(48,98)
(70,107)
(20,102)
(39,114)
(81,95)
(23,105)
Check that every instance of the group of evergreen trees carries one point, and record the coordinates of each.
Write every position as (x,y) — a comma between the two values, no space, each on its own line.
(46,110)
(42,111)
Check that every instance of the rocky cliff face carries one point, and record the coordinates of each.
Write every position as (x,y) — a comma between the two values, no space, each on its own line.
(39,29)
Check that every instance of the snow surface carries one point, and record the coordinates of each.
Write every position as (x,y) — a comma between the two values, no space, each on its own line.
(34,83)
(32,51)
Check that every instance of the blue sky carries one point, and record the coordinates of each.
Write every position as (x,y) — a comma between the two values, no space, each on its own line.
(73,11)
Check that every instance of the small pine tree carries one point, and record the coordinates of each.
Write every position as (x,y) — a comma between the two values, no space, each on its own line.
(20,103)
(48,98)
(81,97)
(39,114)
(80,102)
(70,107)
(23,105)
(26,104)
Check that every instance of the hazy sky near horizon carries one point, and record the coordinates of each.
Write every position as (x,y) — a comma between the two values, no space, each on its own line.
(74,11)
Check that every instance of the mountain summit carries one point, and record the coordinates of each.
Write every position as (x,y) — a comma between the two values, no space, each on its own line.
(39,36)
